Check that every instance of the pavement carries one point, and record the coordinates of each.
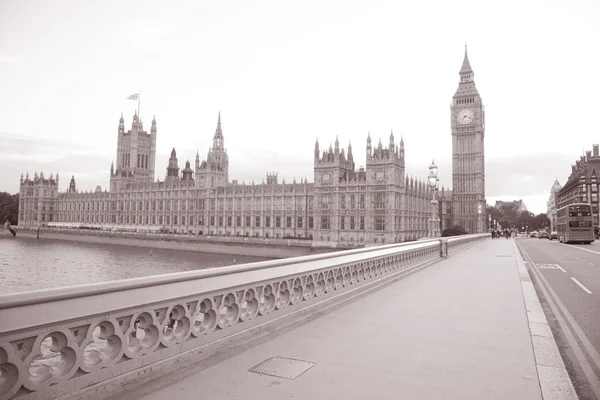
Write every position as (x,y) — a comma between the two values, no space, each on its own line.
(570,276)
(458,329)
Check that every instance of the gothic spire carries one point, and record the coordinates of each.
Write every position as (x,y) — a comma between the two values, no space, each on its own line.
(466,65)
(218,138)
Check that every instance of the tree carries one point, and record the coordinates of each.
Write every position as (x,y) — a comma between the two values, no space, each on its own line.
(495,213)
(454,230)
(507,222)
(510,209)
(524,219)
(539,222)
(9,208)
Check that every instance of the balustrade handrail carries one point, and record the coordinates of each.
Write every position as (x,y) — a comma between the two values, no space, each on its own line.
(11,300)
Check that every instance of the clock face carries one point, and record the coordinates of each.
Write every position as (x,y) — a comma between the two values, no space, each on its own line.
(465,116)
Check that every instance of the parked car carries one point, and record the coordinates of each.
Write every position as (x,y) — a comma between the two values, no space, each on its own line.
(533,234)
(544,235)
(553,235)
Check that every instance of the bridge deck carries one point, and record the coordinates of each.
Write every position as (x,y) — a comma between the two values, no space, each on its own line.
(456,330)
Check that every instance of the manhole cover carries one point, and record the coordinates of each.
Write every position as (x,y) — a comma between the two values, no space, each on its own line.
(282,367)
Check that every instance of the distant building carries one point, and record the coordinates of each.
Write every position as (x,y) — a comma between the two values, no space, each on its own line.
(520,205)
(551,205)
(582,184)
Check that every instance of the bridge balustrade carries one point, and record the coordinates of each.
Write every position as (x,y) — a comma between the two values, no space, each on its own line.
(80,339)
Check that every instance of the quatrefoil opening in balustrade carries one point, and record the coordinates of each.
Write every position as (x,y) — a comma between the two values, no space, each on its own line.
(177,326)
(55,360)
(103,348)
(229,311)
(205,320)
(339,279)
(309,288)
(297,291)
(267,300)
(330,282)
(143,335)
(321,285)
(283,296)
(346,277)
(249,306)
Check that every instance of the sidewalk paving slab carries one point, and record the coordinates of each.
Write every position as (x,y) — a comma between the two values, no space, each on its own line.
(455,330)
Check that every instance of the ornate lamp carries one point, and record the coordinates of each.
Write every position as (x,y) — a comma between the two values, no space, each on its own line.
(434,222)
(433,179)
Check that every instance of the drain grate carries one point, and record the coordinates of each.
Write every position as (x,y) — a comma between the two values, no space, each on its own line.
(282,367)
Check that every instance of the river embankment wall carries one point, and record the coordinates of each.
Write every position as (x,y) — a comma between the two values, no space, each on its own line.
(260,247)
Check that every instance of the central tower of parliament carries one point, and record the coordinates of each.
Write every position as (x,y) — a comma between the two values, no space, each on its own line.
(343,204)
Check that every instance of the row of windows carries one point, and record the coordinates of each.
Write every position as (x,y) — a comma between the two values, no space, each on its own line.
(153,205)
(469,100)
(353,224)
(346,223)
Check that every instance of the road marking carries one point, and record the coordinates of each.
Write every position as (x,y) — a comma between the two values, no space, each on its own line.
(581,248)
(550,266)
(581,286)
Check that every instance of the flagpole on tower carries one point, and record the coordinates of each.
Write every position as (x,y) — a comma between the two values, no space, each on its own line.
(139,95)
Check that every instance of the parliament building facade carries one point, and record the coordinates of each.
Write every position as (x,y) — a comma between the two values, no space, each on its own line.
(343,204)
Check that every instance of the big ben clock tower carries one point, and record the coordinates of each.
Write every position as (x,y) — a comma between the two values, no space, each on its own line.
(468,160)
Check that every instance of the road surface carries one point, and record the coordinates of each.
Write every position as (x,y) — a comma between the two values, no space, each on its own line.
(567,278)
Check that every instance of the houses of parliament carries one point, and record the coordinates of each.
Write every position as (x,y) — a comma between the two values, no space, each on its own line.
(344,204)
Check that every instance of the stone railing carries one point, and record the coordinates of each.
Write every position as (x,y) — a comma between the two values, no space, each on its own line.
(79,339)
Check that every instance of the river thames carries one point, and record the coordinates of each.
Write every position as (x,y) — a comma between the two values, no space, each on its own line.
(30,264)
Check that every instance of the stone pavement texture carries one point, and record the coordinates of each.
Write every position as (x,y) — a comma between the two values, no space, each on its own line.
(455,330)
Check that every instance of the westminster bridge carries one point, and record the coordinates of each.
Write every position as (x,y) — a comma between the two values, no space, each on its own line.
(138,338)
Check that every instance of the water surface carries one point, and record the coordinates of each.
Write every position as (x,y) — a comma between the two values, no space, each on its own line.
(30,264)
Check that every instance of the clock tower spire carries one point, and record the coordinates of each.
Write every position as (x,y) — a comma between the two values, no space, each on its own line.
(468,155)
(466,72)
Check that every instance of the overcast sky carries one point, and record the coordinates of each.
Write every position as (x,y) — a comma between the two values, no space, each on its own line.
(284,73)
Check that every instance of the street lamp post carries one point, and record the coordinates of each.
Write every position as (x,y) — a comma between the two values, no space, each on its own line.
(434,222)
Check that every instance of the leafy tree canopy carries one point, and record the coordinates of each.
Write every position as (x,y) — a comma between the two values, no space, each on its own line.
(9,208)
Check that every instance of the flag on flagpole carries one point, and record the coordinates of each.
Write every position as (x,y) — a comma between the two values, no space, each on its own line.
(134,96)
